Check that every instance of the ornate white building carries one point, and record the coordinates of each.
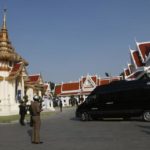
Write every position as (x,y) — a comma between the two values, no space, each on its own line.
(81,88)
(12,74)
(15,83)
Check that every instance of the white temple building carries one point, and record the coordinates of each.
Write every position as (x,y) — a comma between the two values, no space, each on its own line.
(15,83)
(12,74)
(81,88)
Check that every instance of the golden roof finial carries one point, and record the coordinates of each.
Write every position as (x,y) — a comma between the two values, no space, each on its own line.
(4,19)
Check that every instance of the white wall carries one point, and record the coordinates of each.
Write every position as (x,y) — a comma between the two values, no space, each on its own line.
(30,95)
(8,105)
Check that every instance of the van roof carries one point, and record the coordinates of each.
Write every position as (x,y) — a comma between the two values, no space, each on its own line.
(121,86)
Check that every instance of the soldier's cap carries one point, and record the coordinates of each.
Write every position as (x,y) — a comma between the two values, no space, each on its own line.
(36,98)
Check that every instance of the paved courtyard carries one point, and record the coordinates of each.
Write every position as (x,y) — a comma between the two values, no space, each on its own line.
(61,131)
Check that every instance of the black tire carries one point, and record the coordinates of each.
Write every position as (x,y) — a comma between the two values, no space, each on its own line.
(146,116)
(84,116)
(126,118)
(94,118)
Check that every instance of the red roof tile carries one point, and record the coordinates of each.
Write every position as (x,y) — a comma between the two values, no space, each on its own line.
(127,72)
(83,79)
(75,88)
(33,78)
(15,69)
(116,79)
(94,78)
(137,59)
(104,81)
(145,50)
(58,89)
(70,86)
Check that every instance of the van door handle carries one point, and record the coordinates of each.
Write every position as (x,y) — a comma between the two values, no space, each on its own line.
(109,103)
(94,108)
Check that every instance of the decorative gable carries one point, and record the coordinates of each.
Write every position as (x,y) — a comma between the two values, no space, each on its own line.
(35,79)
(88,83)
(15,71)
(140,61)
(144,50)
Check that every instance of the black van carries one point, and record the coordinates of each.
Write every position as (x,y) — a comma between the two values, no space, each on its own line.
(119,99)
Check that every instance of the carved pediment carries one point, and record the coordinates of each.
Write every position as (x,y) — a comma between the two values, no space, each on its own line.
(88,83)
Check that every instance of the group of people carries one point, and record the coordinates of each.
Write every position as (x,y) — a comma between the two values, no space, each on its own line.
(74,101)
(34,110)
(35,121)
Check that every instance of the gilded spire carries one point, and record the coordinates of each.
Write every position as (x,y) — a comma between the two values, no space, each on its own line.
(7,52)
(3,32)
(4,19)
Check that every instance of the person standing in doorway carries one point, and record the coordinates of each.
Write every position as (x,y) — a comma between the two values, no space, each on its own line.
(36,110)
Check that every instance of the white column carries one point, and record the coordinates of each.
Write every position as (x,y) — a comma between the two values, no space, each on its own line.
(1,92)
(4,91)
(22,88)
(7,92)
(51,105)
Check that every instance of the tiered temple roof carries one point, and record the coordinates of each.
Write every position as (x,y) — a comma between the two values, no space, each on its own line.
(7,52)
(139,58)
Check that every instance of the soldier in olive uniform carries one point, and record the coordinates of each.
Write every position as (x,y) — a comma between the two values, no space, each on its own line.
(36,110)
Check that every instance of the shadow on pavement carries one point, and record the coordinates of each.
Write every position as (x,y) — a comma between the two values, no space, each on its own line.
(145,128)
(74,119)
(109,119)
(30,133)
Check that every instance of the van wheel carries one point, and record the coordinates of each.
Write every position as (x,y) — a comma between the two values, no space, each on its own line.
(84,116)
(94,118)
(146,115)
(126,118)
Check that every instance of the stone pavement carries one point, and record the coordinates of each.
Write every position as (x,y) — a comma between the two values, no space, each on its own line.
(61,131)
(13,136)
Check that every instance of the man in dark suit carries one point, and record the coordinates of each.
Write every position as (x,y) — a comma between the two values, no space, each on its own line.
(60,105)
(36,110)
(22,112)
(31,115)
